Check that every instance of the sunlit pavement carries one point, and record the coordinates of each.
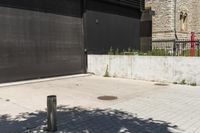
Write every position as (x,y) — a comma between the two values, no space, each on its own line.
(141,107)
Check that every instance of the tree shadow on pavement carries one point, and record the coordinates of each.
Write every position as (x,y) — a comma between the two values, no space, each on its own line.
(80,120)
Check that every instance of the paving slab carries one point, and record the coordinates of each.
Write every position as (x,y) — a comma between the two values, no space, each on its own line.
(141,107)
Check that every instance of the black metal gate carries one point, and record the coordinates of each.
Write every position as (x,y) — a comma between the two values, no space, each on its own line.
(40,38)
(176,47)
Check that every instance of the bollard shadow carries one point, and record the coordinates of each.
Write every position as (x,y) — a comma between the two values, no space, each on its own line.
(80,120)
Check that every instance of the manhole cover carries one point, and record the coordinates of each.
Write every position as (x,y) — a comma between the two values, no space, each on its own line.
(161,84)
(107,98)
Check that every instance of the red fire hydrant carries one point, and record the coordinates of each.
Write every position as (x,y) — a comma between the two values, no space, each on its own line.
(192,49)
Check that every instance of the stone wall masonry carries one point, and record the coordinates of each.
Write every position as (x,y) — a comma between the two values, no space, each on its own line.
(163,21)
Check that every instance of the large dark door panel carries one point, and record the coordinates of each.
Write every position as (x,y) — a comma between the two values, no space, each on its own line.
(109,25)
(36,44)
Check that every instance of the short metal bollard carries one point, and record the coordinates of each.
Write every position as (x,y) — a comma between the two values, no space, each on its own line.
(51,113)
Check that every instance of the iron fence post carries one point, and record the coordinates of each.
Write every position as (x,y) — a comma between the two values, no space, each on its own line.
(184,49)
(174,48)
(198,48)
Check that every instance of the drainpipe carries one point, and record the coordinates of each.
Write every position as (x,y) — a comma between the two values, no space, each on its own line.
(175,32)
(175,11)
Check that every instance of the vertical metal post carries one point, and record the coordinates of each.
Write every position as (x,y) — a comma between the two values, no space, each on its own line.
(198,48)
(192,49)
(51,113)
(184,49)
(174,48)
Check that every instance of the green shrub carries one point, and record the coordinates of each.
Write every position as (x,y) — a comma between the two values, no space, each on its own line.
(106,73)
(117,52)
(158,52)
(187,52)
(110,52)
(193,84)
(129,51)
(183,82)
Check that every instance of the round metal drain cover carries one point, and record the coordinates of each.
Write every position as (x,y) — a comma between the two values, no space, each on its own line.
(161,84)
(107,98)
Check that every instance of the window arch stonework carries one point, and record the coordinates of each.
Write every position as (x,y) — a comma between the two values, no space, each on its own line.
(183,20)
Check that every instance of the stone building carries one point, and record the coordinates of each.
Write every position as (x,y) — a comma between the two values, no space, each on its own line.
(174,19)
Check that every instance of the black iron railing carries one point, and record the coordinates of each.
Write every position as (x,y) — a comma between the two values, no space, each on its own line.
(176,47)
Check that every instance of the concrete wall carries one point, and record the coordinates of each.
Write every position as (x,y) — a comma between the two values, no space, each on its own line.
(151,68)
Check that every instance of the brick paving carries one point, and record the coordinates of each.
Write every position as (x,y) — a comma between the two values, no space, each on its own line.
(141,107)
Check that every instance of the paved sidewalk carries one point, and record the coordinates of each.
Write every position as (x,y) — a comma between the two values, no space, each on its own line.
(141,107)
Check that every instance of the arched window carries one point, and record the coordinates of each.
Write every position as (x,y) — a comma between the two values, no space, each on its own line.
(183,21)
